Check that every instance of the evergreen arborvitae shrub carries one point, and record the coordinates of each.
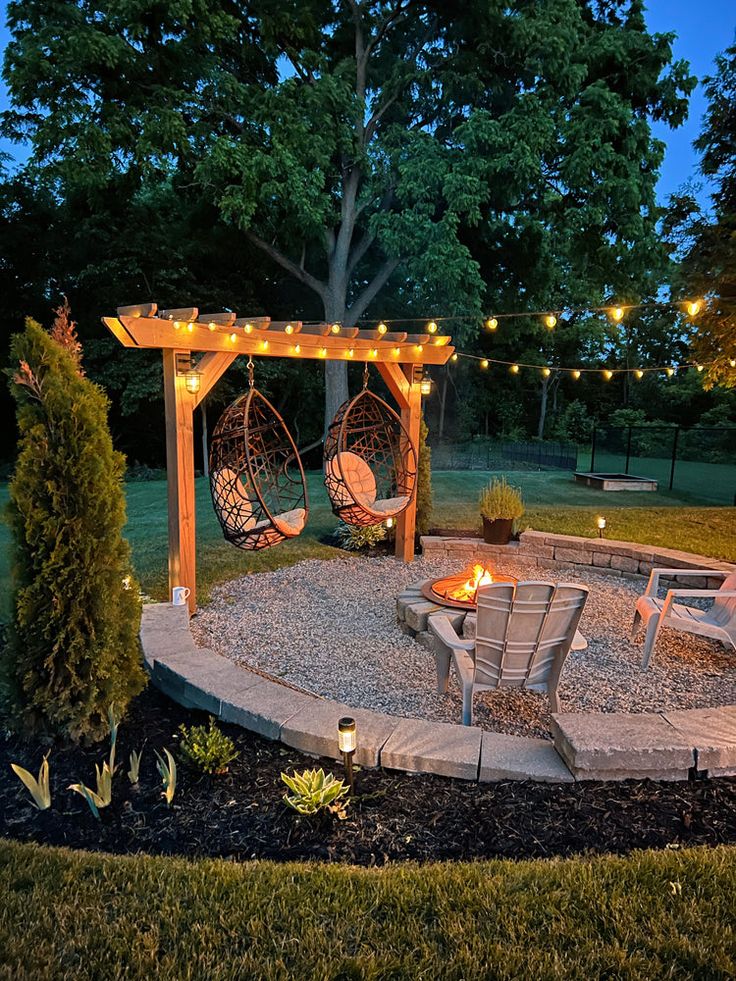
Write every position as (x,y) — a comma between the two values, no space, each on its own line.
(73,647)
(424,482)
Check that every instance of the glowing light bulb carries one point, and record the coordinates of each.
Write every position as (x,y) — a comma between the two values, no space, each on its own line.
(618,314)
(397,352)
(699,367)
(190,327)
(546,372)
(432,327)
(484,363)
(289,329)
(233,338)
(248,328)
(335,328)
(732,362)
(374,352)
(382,328)
(575,373)
(177,325)
(454,358)
(350,352)
(514,369)
(417,348)
(693,308)
(264,345)
(211,325)
(297,349)
(639,373)
(491,323)
(608,374)
(669,372)
(323,352)
(550,321)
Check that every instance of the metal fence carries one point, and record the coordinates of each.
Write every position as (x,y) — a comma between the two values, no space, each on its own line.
(699,462)
(485,454)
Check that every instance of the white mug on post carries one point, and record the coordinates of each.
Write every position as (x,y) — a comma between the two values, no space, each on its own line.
(179,595)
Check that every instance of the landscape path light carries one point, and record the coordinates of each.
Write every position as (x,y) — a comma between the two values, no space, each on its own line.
(601,522)
(347,741)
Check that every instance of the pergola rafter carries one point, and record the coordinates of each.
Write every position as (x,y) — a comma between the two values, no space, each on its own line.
(220,338)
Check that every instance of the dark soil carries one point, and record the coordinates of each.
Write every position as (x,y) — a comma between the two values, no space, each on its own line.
(394,817)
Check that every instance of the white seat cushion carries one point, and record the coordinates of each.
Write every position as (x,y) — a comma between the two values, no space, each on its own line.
(290,523)
(390,506)
(360,483)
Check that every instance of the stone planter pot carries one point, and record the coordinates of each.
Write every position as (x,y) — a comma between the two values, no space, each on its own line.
(497,532)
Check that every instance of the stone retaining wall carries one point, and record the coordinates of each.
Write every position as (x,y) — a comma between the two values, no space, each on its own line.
(547,550)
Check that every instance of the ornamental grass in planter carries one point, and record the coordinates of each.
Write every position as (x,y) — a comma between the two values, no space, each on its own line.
(500,506)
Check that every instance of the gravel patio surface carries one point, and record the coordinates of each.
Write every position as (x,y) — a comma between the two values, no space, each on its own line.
(330,627)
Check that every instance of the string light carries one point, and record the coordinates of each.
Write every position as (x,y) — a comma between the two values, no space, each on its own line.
(639,373)
(454,358)
(374,352)
(491,323)
(546,372)
(699,367)
(233,338)
(432,327)
(351,352)
(190,327)
(382,328)
(264,345)
(484,363)
(575,373)
(669,372)
(607,374)
(618,314)
(297,349)
(177,325)
(323,352)
(397,352)
(418,348)
(335,328)
(288,329)
(211,325)
(550,321)
(248,328)
(514,369)
(693,308)
(732,362)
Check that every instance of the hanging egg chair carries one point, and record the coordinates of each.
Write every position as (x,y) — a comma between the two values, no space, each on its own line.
(256,477)
(370,464)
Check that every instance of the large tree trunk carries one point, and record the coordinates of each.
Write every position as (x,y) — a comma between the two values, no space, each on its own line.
(443,404)
(543,408)
(336,372)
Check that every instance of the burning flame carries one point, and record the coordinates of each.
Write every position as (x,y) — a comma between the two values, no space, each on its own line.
(466,593)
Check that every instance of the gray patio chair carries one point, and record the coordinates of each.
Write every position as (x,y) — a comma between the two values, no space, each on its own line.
(523,636)
(718,622)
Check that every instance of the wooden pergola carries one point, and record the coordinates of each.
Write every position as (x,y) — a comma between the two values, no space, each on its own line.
(220,338)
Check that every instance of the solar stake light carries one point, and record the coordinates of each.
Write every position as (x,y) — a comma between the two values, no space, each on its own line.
(347,741)
(601,522)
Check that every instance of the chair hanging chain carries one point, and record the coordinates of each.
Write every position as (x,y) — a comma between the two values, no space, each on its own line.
(250,371)
(365,376)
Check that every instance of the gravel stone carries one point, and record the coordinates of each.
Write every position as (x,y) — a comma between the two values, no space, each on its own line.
(330,627)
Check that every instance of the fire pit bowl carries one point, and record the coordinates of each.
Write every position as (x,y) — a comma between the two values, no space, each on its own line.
(459,591)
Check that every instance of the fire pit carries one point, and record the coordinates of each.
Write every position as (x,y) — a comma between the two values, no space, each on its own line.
(460,591)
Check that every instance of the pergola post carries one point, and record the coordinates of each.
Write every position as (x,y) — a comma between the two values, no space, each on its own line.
(179,407)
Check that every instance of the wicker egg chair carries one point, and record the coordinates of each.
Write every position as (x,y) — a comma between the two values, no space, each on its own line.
(256,476)
(370,464)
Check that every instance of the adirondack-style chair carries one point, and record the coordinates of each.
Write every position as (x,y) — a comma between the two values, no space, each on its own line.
(718,622)
(524,633)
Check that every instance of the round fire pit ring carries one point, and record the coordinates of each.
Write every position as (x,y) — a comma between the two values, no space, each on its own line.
(449,590)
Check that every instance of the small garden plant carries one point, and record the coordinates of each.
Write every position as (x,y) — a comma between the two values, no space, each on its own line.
(209,749)
(39,789)
(354,538)
(312,792)
(499,500)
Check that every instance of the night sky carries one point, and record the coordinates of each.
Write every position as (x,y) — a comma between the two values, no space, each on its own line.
(703,28)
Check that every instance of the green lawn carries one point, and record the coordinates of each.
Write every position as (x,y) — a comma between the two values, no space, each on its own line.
(554,503)
(67,915)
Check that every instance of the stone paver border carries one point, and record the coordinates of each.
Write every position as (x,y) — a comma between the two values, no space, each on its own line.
(587,746)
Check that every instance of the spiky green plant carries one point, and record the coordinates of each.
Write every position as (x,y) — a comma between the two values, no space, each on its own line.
(73,645)
(134,763)
(312,791)
(102,797)
(167,770)
(500,500)
(39,789)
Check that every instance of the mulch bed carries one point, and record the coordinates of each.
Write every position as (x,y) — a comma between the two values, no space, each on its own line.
(395,817)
